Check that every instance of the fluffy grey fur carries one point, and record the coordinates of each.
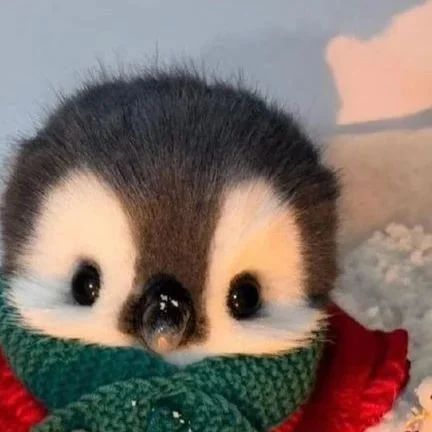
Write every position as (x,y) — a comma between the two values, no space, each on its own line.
(168,143)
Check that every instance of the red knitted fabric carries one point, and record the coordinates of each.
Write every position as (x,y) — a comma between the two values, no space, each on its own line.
(18,409)
(361,375)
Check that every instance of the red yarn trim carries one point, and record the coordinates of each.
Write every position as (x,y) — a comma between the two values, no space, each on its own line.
(18,409)
(360,377)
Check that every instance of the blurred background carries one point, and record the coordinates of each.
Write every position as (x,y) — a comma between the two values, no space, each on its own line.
(357,65)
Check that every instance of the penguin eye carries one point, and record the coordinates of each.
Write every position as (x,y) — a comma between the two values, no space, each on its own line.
(244,297)
(86,284)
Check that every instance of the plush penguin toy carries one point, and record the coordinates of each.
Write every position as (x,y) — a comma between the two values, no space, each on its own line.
(166,225)
(189,218)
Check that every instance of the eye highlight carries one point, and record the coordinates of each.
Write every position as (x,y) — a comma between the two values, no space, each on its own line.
(86,284)
(244,297)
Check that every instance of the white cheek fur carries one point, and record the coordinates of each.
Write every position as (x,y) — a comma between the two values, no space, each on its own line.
(257,233)
(80,218)
(48,308)
(282,328)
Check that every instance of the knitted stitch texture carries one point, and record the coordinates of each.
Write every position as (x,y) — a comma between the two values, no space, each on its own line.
(94,388)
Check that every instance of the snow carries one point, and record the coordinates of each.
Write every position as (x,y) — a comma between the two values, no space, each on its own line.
(386,284)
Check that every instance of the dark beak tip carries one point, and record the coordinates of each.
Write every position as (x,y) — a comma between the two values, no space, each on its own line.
(164,330)
(164,315)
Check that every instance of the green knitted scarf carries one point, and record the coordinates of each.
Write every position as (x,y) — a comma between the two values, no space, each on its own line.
(102,389)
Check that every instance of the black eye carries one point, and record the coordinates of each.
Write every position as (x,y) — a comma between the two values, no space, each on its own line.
(86,284)
(244,298)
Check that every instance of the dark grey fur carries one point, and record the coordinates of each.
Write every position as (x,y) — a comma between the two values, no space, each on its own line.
(168,142)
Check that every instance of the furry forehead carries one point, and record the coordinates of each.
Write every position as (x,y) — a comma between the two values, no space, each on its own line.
(171,173)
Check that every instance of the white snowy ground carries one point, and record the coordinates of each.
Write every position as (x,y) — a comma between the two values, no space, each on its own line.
(387,284)
(386,235)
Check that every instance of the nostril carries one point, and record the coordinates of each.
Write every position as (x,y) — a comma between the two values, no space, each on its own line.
(165,314)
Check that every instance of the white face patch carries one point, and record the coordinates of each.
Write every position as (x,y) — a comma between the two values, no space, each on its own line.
(81,218)
(256,233)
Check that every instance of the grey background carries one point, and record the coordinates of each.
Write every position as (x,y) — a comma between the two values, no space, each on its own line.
(49,45)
